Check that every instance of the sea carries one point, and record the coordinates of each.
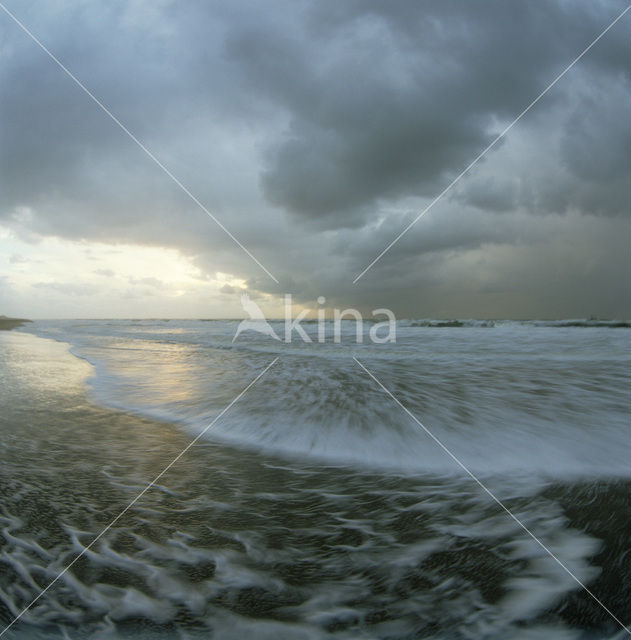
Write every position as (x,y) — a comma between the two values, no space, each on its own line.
(471,480)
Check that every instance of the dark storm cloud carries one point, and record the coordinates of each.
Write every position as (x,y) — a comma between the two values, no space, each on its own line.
(596,148)
(392,99)
(493,194)
(316,131)
(81,177)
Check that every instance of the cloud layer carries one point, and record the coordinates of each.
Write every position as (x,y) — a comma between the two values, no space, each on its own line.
(316,130)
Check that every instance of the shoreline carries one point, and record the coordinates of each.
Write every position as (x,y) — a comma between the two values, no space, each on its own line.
(71,466)
(81,383)
(105,386)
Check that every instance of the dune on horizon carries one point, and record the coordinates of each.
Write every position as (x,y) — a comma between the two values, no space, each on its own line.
(6,323)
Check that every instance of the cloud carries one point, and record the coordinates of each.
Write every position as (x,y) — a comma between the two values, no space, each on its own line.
(106,273)
(67,288)
(156,283)
(388,100)
(493,194)
(596,148)
(315,132)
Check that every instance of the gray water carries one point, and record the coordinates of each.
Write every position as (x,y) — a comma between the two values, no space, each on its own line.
(315,507)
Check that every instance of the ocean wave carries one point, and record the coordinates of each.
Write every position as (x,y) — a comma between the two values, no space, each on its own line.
(504,401)
(467,323)
(446,324)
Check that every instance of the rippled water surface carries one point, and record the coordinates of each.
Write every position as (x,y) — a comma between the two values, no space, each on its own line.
(315,507)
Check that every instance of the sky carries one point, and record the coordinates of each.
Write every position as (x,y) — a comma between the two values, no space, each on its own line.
(315,132)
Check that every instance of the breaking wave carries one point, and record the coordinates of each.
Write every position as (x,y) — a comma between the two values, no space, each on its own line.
(512,399)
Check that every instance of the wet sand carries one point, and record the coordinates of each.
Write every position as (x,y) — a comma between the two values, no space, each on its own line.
(233,544)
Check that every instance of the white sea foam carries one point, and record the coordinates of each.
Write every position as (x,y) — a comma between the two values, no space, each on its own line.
(235,544)
(517,398)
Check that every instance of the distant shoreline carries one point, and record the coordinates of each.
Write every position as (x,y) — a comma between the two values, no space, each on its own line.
(6,324)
